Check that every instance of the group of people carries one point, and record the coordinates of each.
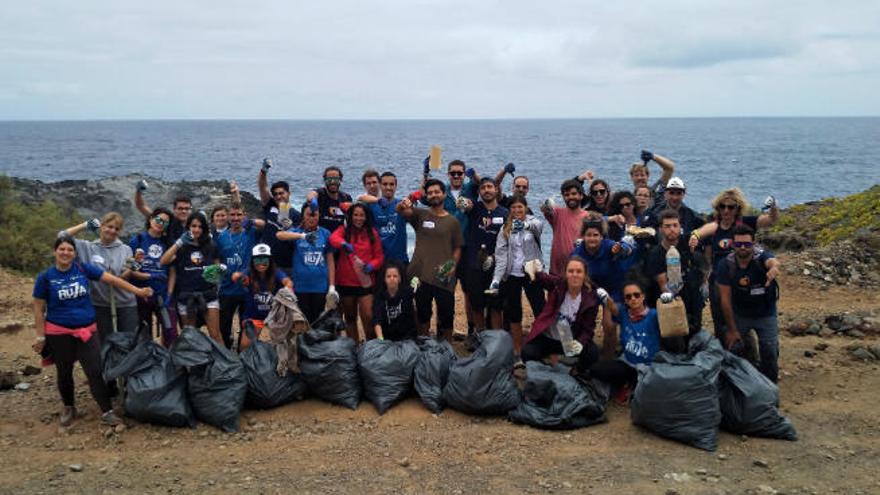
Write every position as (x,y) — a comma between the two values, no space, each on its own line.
(610,256)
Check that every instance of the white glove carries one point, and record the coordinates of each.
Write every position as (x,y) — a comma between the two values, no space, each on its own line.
(548,203)
(603,296)
(332,297)
(628,239)
(578,242)
(414,283)
(667,297)
(493,288)
(769,203)
(577,347)
(488,262)
(94,225)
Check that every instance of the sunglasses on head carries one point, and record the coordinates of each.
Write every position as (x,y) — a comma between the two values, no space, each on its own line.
(741,244)
(632,295)
(725,206)
(598,192)
(261,260)
(161,221)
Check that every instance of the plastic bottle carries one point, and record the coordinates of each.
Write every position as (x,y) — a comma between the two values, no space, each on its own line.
(674,282)
(283,211)
(364,278)
(436,160)
(565,337)
(443,271)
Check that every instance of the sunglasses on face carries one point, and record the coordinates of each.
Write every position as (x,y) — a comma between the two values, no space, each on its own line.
(261,260)
(740,245)
(456,174)
(632,295)
(624,205)
(723,207)
(332,179)
(161,221)
(598,192)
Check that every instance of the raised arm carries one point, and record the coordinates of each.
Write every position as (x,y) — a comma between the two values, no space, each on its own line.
(772,216)
(263,184)
(234,193)
(667,165)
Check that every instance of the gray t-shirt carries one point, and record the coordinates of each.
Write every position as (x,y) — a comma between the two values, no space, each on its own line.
(111,258)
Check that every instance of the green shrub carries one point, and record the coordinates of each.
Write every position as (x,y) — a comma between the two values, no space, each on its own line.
(28,231)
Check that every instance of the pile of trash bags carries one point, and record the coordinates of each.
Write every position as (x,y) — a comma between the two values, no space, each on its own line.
(688,397)
(432,371)
(115,347)
(483,383)
(386,368)
(553,399)
(329,367)
(266,388)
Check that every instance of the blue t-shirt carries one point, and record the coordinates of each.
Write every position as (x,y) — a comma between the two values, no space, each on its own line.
(392,230)
(189,265)
(749,295)
(640,340)
(234,250)
(154,248)
(67,294)
(310,262)
(482,230)
(606,270)
(259,299)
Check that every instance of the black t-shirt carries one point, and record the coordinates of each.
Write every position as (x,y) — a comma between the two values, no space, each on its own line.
(750,298)
(332,216)
(655,264)
(189,263)
(175,230)
(689,219)
(721,242)
(282,252)
(396,315)
(483,228)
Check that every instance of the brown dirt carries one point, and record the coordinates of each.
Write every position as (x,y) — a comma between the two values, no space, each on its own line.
(315,447)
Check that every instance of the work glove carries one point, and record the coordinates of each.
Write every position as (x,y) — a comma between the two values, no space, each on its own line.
(667,297)
(602,294)
(332,296)
(647,156)
(493,288)
(518,225)
(414,283)
(186,238)
(470,173)
(426,166)
(532,268)
(576,347)
(510,168)
(313,204)
(94,225)
(488,262)
(311,237)
(141,185)
(548,203)
(369,268)
(267,164)
(348,247)
(769,203)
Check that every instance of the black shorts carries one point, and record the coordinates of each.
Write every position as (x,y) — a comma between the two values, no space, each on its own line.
(346,291)
(477,281)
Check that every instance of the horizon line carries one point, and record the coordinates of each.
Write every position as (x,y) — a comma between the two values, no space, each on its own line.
(426,119)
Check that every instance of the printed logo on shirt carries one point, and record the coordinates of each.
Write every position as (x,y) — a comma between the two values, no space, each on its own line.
(234,260)
(263,301)
(389,229)
(744,281)
(155,251)
(273,210)
(336,211)
(313,258)
(196,258)
(97,259)
(394,312)
(71,291)
(725,244)
(636,348)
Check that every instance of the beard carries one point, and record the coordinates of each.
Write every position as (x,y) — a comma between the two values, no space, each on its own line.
(435,201)
(573,203)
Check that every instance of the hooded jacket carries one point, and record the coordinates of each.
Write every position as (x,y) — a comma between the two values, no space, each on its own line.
(111,258)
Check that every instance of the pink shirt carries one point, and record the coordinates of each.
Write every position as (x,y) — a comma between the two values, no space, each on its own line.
(566,229)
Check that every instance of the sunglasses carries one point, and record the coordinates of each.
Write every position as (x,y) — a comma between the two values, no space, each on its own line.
(161,221)
(598,192)
(332,179)
(624,205)
(261,260)
(732,207)
(456,174)
(632,295)
(746,245)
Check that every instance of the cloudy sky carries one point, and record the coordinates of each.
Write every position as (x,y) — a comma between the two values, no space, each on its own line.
(437,59)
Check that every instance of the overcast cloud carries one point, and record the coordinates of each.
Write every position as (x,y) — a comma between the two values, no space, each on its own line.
(433,59)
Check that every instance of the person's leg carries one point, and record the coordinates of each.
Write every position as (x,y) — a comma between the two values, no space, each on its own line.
(127,319)
(89,356)
(768,345)
(349,314)
(535,295)
(539,348)
(715,309)
(169,331)
(477,299)
(187,315)
(63,350)
(365,310)
(212,321)
(424,299)
(693,305)
(104,322)
(145,310)
(614,372)
(228,306)
(445,312)
(511,292)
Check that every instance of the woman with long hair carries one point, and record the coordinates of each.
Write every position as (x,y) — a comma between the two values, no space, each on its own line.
(263,279)
(360,256)
(599,196)
(394,313)
(518,246)
(621,214)
(148,247)
(65,322)
(188,257)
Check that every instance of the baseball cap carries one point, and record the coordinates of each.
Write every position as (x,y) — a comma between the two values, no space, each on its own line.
(675,183)
(261,250)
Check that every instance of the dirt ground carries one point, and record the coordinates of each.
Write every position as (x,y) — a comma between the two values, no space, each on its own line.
(313,447)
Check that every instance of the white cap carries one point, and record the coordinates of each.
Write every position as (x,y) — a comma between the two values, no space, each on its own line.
(675,183)
(261,250)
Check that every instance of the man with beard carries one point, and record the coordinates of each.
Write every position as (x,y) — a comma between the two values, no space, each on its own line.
(748,291)
(437,252)
(390,224)
(673,198)
(566,223)
(485,220)
(329,199)
(278,215)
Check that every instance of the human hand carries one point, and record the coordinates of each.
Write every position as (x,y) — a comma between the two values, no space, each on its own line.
(667,297)
(267,164)
(141,185)
(39,344)
(493,288)
(603,295)
(647,156)
(313,204)
(94,225)
(488,262)
(348,247)
(772,273)
(470,173)
(616,248)
(510,168)
(518,225)
(185,238)
(145,292)
(233,187)
(694,242)
(426,166)
(576,347)
(769,203)
(369,268)
(731,337)
(311,237)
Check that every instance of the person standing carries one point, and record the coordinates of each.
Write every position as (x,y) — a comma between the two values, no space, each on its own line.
(640,174)
(437,253)
(390,224)
(149,246)
(64,324)
(277,214)
(673,198)
(748,291)
(566,223)
(182,207)
(331,200)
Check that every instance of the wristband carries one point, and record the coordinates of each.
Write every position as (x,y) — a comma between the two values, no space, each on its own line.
(695,234)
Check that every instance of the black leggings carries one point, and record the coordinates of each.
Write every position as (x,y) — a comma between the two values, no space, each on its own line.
(512,290)
(543,346)
(66,350)
(615,372)
(311,304)
(228,307)
(427,294)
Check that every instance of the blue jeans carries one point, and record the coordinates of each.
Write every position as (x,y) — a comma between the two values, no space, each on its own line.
(766,329)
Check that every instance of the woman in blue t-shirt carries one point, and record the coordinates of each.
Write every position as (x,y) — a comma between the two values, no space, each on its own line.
(262,278)
(188,257)
(148,247)
(314,266)
(65,323)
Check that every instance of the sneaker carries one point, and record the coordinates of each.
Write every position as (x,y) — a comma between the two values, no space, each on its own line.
(68,415)
(110,418)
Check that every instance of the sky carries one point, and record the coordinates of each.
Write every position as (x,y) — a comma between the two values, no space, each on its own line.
(409,59)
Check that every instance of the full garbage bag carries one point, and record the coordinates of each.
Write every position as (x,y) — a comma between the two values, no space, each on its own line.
(386,369)
(265,387)
(553,399)
(432,370)
(155,389)
(749,401)
(483,383)
(215,377)
(677,395)
(114,348)
(329,367)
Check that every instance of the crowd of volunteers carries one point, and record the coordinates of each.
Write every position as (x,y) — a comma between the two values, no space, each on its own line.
(617,259)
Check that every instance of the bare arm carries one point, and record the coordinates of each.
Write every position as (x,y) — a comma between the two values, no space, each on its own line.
(75,230)
(289,236)
(141,205)
(39,317)
(169,255)
(499,177)
(120,283)
(405,207)
(668,167)
(172,280)
(331,269)
(368,198)
(724,295)
(662,281)
(263,187)
(234,193)
(768,219)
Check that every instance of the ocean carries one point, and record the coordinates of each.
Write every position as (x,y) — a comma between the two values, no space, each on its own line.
(795,159)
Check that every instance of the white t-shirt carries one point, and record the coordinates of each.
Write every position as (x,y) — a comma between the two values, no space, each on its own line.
(568,310)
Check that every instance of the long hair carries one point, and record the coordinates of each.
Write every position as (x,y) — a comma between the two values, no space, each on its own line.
(389,264)
(268,278)
(508,223)
(368,222)
(588,283)
(614,206)
(205,238)
(160,211)
(736,195)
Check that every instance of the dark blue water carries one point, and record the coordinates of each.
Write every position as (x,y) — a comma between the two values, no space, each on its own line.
(796,159)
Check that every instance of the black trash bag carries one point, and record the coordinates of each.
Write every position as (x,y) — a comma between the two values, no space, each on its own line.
(114,348)
(432,371)
(155,389)
(555,400)
(329,321)
(265,388)
(216,380)
(386,368)
(329,367)
(483,383)
(749,401)
(677,395)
